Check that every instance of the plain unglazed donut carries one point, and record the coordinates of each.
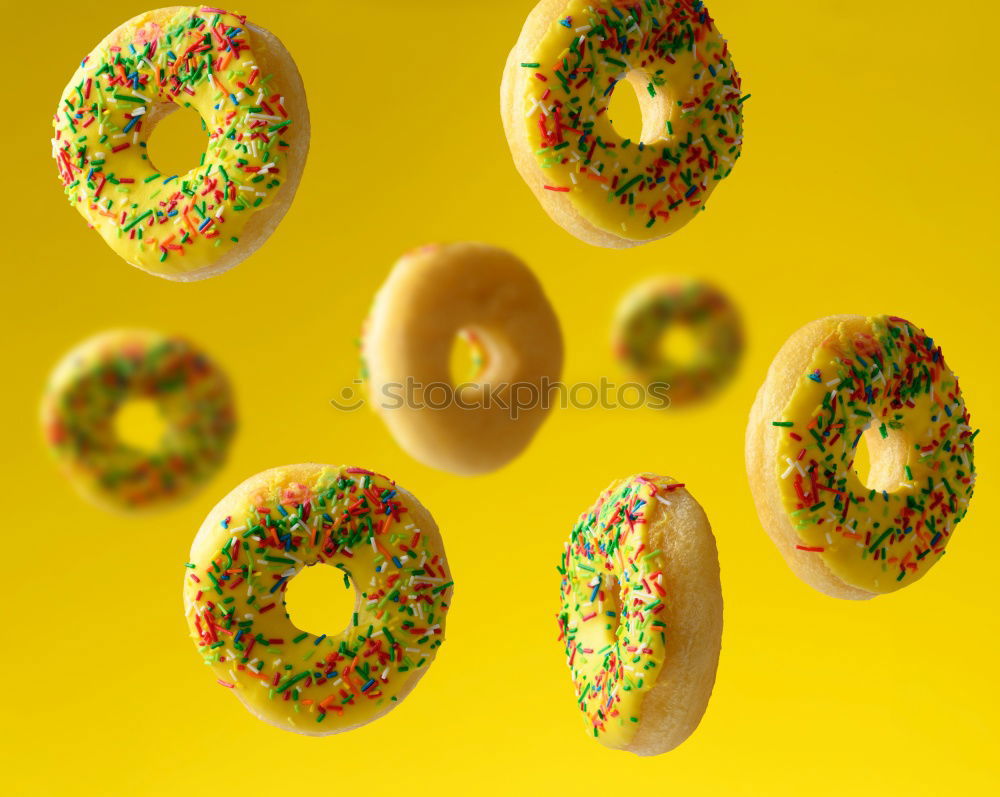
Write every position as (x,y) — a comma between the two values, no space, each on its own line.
(243,83)
(833,382)
(266,531)
(432,294)
(557,84)
(641,616)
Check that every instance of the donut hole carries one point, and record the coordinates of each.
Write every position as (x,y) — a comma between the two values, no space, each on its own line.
(320,599)
(139,424)
(177,141)
(467,361)
(624,111)
(879,462)
(638,109)
(678,344)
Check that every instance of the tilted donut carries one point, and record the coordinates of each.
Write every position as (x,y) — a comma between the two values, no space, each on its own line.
(432,295)
(245,86)
(652,309)
(94,380)
(554,98)
(641,615)
(267,530)
(835,381)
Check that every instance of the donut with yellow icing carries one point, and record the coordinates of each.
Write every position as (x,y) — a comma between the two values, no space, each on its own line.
(641,616)
(557,85)
(655,307)
(835,382)
(432,295)
(267,530)
(92,383)
(242,82)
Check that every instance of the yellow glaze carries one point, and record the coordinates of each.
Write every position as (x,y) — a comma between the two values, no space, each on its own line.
(348,518)
(886,380)
(680,67)
(612,598)
(171,224)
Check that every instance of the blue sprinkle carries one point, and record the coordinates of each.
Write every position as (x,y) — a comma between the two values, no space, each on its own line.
(319,639)
(369,685)
(566,23)
(816,376)
(282,510)
(174,177)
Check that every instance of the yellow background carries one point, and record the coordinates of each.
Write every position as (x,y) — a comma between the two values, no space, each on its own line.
(867,185)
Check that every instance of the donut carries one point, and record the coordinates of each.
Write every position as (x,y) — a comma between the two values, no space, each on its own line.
(651,309)
(835,381)
(90,385)
(431,295)
(641,615)
(557,85)
(254,542)
(242,82)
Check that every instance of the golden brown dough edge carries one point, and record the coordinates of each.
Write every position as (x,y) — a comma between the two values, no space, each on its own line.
(559,208)
(674,706)
(791,361)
